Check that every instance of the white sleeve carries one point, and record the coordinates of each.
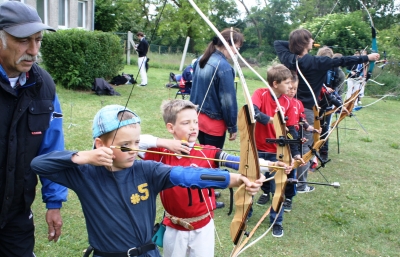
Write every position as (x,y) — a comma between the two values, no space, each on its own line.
(265,163)
(146,142)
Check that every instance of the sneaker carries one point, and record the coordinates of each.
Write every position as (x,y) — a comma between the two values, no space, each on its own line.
(142,85)
(219,205)
(277,230)
(217,194)
(287,205)
(307,189)
(263,200)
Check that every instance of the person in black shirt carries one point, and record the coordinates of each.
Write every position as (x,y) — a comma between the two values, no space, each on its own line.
(314,69)
(142,49)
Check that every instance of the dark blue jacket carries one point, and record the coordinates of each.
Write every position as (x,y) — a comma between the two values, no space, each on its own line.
(30,125)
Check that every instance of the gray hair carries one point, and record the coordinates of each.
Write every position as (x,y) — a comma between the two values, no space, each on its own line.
(3,38)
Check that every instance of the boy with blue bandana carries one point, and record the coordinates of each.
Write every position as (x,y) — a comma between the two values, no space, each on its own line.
(117,192)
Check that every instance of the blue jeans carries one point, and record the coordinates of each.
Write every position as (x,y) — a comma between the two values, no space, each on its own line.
(290,189)
(271,186)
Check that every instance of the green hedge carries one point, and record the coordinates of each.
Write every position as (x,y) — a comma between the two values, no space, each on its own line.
(75,57)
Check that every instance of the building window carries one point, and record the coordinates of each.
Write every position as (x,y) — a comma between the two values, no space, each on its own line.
(63,13)
(81,14)
(42,7)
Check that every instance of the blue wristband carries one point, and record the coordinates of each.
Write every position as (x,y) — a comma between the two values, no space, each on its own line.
(199,177)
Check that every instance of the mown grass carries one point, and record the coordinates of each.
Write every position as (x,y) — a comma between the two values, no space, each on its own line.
(361,218)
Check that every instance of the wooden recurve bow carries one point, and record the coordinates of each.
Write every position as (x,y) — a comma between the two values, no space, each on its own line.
(249,165)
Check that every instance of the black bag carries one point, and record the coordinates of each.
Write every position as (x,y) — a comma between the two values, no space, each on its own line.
(101,87)
(123,79)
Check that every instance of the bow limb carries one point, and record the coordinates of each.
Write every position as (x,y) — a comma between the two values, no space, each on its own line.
(308,85)
(316,107)
(317,123)
(249,165)
(282,154)
(349,105)
(374,45)
(261,78)
(238,249)
(232,55)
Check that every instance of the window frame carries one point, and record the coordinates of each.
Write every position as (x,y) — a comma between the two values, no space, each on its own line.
(66,13)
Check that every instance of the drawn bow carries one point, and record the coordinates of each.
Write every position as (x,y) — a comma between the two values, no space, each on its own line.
(279,125)
(249,165)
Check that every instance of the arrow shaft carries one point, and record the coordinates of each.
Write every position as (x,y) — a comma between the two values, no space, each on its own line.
(126,149)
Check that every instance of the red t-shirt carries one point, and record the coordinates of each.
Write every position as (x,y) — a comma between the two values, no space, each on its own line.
(187,202)
(263,99)
(298,111)
(210,126)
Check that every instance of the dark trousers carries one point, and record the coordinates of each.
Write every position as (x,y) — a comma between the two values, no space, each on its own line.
(17,237)
(206,139)
(325,125)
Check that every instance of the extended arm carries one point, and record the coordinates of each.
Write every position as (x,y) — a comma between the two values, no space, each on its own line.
(53,194)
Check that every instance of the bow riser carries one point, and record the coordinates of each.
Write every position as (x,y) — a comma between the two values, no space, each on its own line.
(309,155)
(283,155)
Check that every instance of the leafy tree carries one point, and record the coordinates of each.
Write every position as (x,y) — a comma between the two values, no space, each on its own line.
(389,42)
(272,24)
(179,20)
(136,16)
(106,15)
(306,10)
(345,33)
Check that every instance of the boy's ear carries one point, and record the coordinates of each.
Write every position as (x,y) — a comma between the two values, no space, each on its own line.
(170,127)
(98,143)
(275,84)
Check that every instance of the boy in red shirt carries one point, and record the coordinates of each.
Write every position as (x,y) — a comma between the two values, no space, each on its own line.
(299,117)
(193,235)
(279,78)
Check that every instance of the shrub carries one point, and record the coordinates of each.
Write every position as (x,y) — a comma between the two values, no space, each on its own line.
(76,57)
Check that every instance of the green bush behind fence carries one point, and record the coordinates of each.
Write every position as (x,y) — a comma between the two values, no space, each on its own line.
(76,57)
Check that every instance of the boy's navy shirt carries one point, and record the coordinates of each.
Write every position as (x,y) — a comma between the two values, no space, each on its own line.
(119,207)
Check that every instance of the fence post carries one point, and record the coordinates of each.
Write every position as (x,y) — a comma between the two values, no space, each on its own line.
(184,53)
(129,43)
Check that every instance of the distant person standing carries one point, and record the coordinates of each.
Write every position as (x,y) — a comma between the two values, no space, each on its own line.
(142,49)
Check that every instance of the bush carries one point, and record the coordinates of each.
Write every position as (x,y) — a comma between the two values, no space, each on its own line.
(76,57)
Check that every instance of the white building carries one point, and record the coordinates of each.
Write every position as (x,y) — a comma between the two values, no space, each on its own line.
(64,14)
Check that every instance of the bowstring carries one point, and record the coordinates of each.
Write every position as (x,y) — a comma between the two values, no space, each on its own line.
(137,75)
(326,20)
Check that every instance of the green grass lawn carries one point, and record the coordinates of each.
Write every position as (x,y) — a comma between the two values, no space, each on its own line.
(361,218)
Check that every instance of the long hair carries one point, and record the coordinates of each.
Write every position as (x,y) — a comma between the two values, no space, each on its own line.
(298,40)
(226,33)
